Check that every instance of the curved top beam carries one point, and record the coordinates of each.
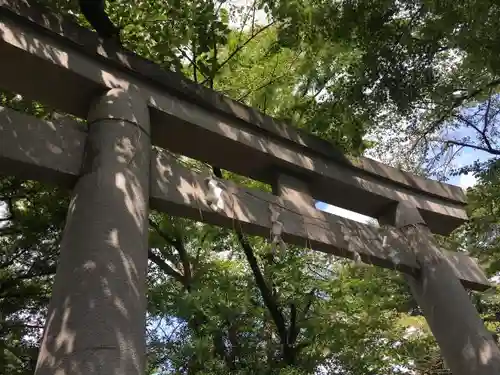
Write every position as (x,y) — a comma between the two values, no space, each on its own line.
(190,119)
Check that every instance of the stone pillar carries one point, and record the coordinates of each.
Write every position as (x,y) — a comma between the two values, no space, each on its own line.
(467,347)
(96,317)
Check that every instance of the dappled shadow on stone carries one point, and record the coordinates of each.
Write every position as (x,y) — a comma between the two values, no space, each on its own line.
(46,151)
(198,122)
(179,191)
(96,319)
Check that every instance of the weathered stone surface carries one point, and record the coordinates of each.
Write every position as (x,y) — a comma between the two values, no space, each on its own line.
(195,121)
(179,191)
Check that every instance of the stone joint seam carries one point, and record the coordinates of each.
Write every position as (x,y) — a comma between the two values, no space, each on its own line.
(90,123)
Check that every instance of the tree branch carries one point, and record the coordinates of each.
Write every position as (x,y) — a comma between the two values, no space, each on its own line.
(239,48)
(469,123)
(480,148)
(244,21)
(10,283)
(482,133)
(232,335)
(49,271)
(293,330)
(168,238)
(220,350)
(198,318)
(486,114)
(178,244)
(221,3)
(271,81)
(13,256)
(165,267)
(9,230)
(181,250)
(264,85)
(289,352)
(214,69)
(456,103)
(193,63)
(265,291)
(307,307)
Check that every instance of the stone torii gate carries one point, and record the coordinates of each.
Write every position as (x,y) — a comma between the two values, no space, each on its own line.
(96,319)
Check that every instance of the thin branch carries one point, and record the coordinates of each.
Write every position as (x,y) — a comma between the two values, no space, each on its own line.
(307,307)
(481,132)
(232,335)
(15,254)
(271,81)
(9,230)
(322,85)
(198,317)
(265,291)
(451,158)
(264,85)
(265,94)
(244,23)
(179,246)
(170,240)
(186,265)
(220,350)
(193,63)
(456,103)
(408,29)
(487,112)
(293,330)
(221,3)
(14,352)
(214,59)
(253,16)
(295,320)
(239,48)
(165,267)
(9,284)
(49,271)
(469,123)
(475,147)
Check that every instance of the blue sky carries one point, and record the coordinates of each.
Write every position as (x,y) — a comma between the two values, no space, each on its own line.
(468,156)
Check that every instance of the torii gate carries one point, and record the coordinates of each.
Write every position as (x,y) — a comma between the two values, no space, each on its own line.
(96,318)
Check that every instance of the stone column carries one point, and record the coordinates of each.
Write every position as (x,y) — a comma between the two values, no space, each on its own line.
(96,317)
(467,347)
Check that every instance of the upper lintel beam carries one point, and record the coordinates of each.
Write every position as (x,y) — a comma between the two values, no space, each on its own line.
(191,120)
